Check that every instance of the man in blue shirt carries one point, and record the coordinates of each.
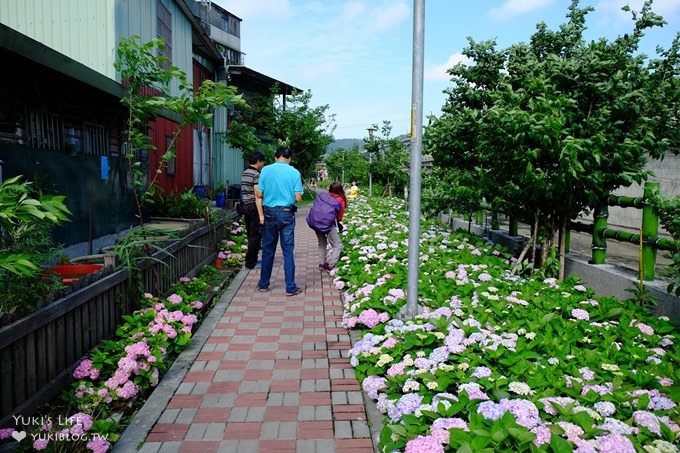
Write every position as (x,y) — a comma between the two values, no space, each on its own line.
(279,187)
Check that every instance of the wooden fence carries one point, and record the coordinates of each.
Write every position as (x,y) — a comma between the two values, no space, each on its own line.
(39,352)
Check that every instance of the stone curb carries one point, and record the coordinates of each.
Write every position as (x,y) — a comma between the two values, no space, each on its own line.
(375,417)
(134,435)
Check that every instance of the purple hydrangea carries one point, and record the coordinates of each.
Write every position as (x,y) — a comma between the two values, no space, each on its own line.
(490,410)
(615,443)
(648,420)
(473,390)
(578,313)
(481,372)
(373,384)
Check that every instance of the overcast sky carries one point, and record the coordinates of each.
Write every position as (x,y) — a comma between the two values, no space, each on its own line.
(355,55)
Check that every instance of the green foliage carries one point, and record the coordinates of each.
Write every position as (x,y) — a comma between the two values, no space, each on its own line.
(26,220)
(669,216)
(142,70)
(389,159)
(548,129)
(266,124)
(185,205)
(354,163)
(452,189)
(305,129)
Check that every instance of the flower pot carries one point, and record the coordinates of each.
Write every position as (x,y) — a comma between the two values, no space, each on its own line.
(70,273)
(218,263)
(219,199)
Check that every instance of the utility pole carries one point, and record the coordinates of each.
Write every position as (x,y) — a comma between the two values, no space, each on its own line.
(416,159)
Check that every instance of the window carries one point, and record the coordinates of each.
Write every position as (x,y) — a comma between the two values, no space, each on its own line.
(95,140)
(164,31)
(45,131)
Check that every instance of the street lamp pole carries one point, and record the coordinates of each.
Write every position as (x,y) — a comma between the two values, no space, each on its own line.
(411,308)
(343,167)
(370,162)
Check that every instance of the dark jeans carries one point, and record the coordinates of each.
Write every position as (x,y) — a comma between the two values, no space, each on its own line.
(254,230)
(278,223)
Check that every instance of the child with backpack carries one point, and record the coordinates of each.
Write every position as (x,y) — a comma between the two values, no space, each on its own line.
(324,217)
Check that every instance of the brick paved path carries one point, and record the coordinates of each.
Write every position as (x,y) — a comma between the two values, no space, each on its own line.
(273,376)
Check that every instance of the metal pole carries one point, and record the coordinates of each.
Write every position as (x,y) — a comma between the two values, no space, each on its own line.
(416,151)
(599,247)
(650,231)
(370,175)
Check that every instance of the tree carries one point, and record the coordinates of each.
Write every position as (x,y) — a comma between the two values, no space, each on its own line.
(553,126)
(305,129)
(389,158)
(352,161)
(143,70)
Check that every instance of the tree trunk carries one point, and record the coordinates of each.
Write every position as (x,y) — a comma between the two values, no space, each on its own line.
(563,245)
(534,235)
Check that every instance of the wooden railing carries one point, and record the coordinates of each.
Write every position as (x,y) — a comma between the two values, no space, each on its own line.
(39,352)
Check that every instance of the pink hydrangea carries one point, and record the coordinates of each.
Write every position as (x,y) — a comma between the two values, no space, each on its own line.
(369,318)
(85,370)
(339,284)
(98,445)
(644,328)
(175,299)
(396,370)
(615,443)
(127,391)
(390,343)
(40,444)
(197,305)
(424,444)
(543,435)
(6,433)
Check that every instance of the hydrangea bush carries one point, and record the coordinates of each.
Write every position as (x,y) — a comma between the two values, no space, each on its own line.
(120,373)
(497,362)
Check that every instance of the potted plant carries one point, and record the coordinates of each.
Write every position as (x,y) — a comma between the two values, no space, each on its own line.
(220,192)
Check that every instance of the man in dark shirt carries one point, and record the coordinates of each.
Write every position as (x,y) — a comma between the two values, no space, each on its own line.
(249,180)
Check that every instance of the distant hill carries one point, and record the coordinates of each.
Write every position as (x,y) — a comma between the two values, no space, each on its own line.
(345,143)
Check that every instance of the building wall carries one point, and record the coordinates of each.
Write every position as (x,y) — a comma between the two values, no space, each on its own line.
(160,130)
(79,29)
(228,161)
(88,31)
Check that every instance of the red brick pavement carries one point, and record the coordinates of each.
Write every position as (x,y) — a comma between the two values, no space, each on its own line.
(273,375)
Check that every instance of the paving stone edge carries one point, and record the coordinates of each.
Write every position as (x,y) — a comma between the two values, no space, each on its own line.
(375,417)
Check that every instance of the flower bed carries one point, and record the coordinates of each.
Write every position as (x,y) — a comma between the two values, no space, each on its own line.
(113,381)
(498,362)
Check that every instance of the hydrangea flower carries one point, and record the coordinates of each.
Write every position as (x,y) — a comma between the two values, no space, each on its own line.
(578,313)
(424,444)
(481,372)
(520,388)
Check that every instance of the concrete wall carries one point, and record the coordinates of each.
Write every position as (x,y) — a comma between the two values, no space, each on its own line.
(666,173)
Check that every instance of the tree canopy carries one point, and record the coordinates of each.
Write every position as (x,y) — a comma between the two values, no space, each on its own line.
(267,122)
(546,130)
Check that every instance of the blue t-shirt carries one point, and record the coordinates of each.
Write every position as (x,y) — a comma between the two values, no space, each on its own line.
(279,182)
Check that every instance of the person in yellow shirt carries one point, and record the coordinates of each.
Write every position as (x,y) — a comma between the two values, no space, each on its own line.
(353,190)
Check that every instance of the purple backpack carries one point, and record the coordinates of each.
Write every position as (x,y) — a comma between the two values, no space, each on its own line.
(323,213)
